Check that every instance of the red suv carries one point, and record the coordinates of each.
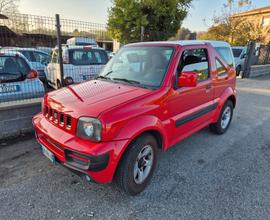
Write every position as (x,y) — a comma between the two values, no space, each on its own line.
(148,97)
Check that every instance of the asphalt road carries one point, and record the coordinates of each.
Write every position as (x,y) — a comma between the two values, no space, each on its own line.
(204,177)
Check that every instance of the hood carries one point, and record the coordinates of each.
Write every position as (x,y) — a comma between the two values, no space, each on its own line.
(93,97)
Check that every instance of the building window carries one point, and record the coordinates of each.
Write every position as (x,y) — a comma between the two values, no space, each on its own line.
(266,21)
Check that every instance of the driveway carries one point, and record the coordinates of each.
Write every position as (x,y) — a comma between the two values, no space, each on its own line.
(204,177)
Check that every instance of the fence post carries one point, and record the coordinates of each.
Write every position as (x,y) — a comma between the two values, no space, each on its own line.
(248,60)
(267,56)
(142,33)
(60,57)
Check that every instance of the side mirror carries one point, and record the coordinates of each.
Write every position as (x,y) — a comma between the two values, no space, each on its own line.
(188,79)
(243,56)
(32,74)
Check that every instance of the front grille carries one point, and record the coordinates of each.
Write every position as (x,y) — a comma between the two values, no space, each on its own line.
(62,119)
(69,119)
(59,118)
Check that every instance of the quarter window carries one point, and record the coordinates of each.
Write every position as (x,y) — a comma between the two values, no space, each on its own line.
(225,54)
(222,71)
(195,60)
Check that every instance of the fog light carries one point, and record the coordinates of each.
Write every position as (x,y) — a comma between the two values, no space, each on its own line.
(88,179)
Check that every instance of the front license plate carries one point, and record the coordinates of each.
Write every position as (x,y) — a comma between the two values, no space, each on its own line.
(48,154)
(9,89)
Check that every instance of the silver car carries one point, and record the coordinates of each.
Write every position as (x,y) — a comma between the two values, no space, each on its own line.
(37,59)
(239,54)
(18,81)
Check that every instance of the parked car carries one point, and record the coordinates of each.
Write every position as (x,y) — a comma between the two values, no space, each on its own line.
(148,97)
(81,41)
(17,80)
(80,63)
(47,50)
(239,54)
(110,54)
(37,59)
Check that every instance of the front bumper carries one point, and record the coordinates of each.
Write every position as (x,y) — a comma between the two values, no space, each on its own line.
(97,160)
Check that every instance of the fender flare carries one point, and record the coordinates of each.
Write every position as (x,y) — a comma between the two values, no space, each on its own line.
(229,93)
(135,128)
(140,125)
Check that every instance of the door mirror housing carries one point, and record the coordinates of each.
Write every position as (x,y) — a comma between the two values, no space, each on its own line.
(188,79)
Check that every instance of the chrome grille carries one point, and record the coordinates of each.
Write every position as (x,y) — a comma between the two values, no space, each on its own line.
(59,118)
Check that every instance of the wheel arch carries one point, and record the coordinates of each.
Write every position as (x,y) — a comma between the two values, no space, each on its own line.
(232,98)
(228,94)
(154,132)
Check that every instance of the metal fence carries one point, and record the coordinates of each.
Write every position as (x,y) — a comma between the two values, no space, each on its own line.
(257,55)
(263,55)
(40,53)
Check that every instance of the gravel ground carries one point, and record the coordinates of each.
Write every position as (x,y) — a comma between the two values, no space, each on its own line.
(203,177)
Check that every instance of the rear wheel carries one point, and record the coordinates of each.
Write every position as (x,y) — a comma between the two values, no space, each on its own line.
(225,118)
(137,165)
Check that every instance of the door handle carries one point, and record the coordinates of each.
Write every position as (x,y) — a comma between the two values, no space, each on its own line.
(208,87)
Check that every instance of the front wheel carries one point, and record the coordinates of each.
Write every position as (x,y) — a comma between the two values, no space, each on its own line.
(137,165)
(238,70)
(225,118)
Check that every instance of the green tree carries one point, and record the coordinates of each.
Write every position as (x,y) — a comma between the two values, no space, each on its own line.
(236,30)
(160,18)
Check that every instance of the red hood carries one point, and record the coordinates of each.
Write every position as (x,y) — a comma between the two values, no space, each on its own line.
(93,97)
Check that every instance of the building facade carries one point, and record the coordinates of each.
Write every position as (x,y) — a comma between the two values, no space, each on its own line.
(260,18)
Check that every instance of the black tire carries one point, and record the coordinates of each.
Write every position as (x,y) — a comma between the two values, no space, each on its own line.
(125,172)
(238,70)
(217,127)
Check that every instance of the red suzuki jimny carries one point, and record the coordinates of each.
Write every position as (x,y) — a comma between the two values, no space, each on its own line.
(148,97)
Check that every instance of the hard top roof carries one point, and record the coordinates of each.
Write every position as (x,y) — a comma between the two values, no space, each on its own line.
(188,42)
(66,46)
(21,49)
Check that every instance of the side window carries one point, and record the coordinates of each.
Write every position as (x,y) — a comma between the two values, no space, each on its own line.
(225,54)
(55,56)
(195,60)
(222,71)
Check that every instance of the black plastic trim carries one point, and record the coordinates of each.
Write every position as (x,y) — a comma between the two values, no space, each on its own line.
(195,115)
(96,163)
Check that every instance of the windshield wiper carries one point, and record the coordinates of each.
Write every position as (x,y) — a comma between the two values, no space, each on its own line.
(108,73)
(103,77)
(127,80)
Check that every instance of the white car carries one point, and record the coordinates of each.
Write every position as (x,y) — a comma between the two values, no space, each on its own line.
(239,54)
(81,41)
(18,81)
(37,59)
(80,63)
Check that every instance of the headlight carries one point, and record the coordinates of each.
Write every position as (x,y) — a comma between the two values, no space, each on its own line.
(89,128)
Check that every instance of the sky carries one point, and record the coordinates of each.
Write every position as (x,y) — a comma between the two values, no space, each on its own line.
(198,19)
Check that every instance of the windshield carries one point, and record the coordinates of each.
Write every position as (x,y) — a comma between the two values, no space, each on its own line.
(139,65)
(237,52)
(87,57)
(12,69)
(35,56)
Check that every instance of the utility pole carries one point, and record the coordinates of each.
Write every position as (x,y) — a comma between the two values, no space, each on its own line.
(60,57)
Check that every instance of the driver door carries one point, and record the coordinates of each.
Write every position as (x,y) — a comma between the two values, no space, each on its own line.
(191,107)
